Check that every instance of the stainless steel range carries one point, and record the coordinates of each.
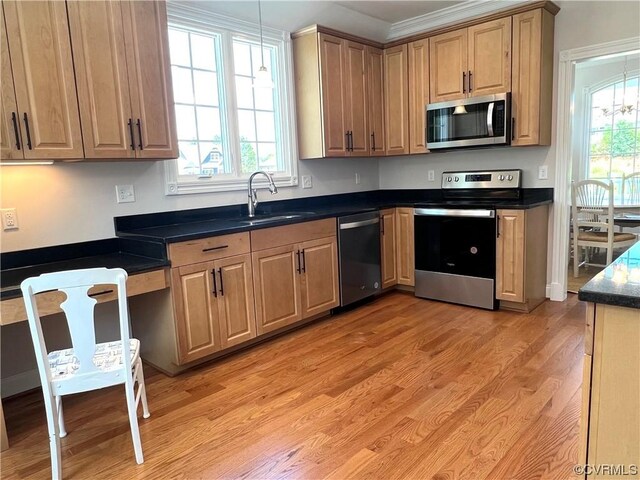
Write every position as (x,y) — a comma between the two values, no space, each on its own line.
(455,238)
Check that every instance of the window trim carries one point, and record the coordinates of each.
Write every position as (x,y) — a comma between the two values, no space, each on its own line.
(197,19)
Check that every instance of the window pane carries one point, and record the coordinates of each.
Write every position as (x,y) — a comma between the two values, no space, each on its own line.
(179,47)
(244,92)
(206,84)
(203,52)
(242,58)
(188,163)
(212,159)
(248,157)
(246,125)
(209,124)
(265,122)
(182,86)
(621,165)
(599,166)
(257,59)
(264,98)
(186,122)
(267,157)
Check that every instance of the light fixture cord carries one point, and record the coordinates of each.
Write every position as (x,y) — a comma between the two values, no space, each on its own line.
(261,44)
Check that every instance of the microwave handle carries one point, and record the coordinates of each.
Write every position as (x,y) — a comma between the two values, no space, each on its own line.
(490,119)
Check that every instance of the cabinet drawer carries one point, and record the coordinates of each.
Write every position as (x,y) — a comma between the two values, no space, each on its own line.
(290,234)
(212,248)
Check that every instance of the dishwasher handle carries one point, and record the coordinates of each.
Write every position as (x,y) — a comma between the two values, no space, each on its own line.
(361,223)
(454,212)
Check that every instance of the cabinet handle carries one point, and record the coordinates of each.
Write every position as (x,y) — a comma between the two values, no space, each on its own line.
(373,141)
(382,224)
(304,262)
(210,249)
(298,267)
(133,144)
(102,292)
(351,139)
(221,282)
(347,140)
(14,119)
(464,80)
(498,226)
(215,283)
(139,134)
(26,125)
(513,128)
(470,77)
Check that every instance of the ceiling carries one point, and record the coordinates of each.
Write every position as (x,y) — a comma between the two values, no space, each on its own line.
(395,11)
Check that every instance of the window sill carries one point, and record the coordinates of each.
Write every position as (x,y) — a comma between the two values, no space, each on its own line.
(235,185)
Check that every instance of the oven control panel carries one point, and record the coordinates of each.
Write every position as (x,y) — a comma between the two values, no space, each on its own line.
(482,179)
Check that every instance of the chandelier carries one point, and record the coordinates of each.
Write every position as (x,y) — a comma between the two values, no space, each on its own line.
(624,108)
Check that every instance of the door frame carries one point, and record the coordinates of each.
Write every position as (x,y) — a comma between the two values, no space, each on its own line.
(557,289)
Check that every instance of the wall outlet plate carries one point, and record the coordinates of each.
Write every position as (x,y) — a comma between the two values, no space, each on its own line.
(9,219)
(543,172)
(307,182)
(431,175)
(125,194)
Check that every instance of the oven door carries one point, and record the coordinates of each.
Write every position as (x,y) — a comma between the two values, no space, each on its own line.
(455,255)
(470,122)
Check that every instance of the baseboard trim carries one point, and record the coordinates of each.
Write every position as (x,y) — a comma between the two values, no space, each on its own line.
(19,383)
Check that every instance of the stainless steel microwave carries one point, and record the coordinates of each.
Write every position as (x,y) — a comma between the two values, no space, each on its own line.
(470,122)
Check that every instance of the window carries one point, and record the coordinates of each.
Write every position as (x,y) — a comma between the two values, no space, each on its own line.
(227,126)
(614,132)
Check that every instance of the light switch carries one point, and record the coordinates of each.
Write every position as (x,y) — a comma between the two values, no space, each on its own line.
(125,194)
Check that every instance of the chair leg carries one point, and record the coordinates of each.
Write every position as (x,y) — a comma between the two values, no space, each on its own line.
(609,255)
(56,457)
(133,420)
(50,404)
(576,259)
(61,427)
(143,391)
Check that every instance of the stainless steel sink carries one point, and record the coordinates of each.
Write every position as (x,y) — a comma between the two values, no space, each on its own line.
(273,218)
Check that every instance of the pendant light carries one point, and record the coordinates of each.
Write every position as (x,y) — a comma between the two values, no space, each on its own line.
(262,78)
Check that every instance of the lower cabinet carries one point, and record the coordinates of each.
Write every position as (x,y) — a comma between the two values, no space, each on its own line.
(388,247)
(521,258)
(405,250)
(294,282)
(214,306)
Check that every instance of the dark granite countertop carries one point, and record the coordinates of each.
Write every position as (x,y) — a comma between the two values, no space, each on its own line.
(618,284)
(132,256)
(170,227)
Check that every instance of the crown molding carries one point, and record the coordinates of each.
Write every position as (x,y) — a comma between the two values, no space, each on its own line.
(450,16)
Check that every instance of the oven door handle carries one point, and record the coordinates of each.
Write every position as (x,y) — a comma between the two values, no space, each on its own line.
(490,119)
(454,212)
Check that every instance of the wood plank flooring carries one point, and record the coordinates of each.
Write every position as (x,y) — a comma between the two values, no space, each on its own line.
(401,388)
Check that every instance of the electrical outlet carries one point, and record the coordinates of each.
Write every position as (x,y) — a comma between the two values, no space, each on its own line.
(9,219)
(307,182)
(543,172)
(357,178)
(125,194)
(431,175)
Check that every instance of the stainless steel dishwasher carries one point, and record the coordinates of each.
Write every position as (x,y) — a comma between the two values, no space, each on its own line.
(359,248)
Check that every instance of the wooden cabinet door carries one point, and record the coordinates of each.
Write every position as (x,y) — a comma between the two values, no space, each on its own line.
(490,58)
(10,141)
(356,100)
(147,49)
(101,74)
(531,78)
(448,66)
(333,84)
(235,300)
(510,250)
(197,314)
(405,253)
(418,95)
(319,281)
(42,67)
(276,282)
(375,86)
(388,247)
(396,100)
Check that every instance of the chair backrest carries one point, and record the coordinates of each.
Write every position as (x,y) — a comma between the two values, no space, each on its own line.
(592,205)
(631,188)
(78,308)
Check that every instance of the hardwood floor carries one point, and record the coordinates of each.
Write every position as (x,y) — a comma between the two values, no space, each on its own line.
(399,388)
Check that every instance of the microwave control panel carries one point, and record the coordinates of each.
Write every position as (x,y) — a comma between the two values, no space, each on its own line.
(482,179)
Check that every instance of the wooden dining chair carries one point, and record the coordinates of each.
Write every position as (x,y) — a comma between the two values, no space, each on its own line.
(592,218)
(631,188)
(87,365)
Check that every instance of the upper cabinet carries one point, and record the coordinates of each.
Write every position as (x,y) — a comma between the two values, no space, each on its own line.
(45,113)
(418,63)
(396,99)
(121,55)
(338,96)
(93,73)
(471,62)
(532,78)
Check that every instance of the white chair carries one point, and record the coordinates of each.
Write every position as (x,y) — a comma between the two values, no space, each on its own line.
(592,217)
(631,188)
(86,366)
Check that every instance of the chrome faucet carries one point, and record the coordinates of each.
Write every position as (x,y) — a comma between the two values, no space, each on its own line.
(253,194)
